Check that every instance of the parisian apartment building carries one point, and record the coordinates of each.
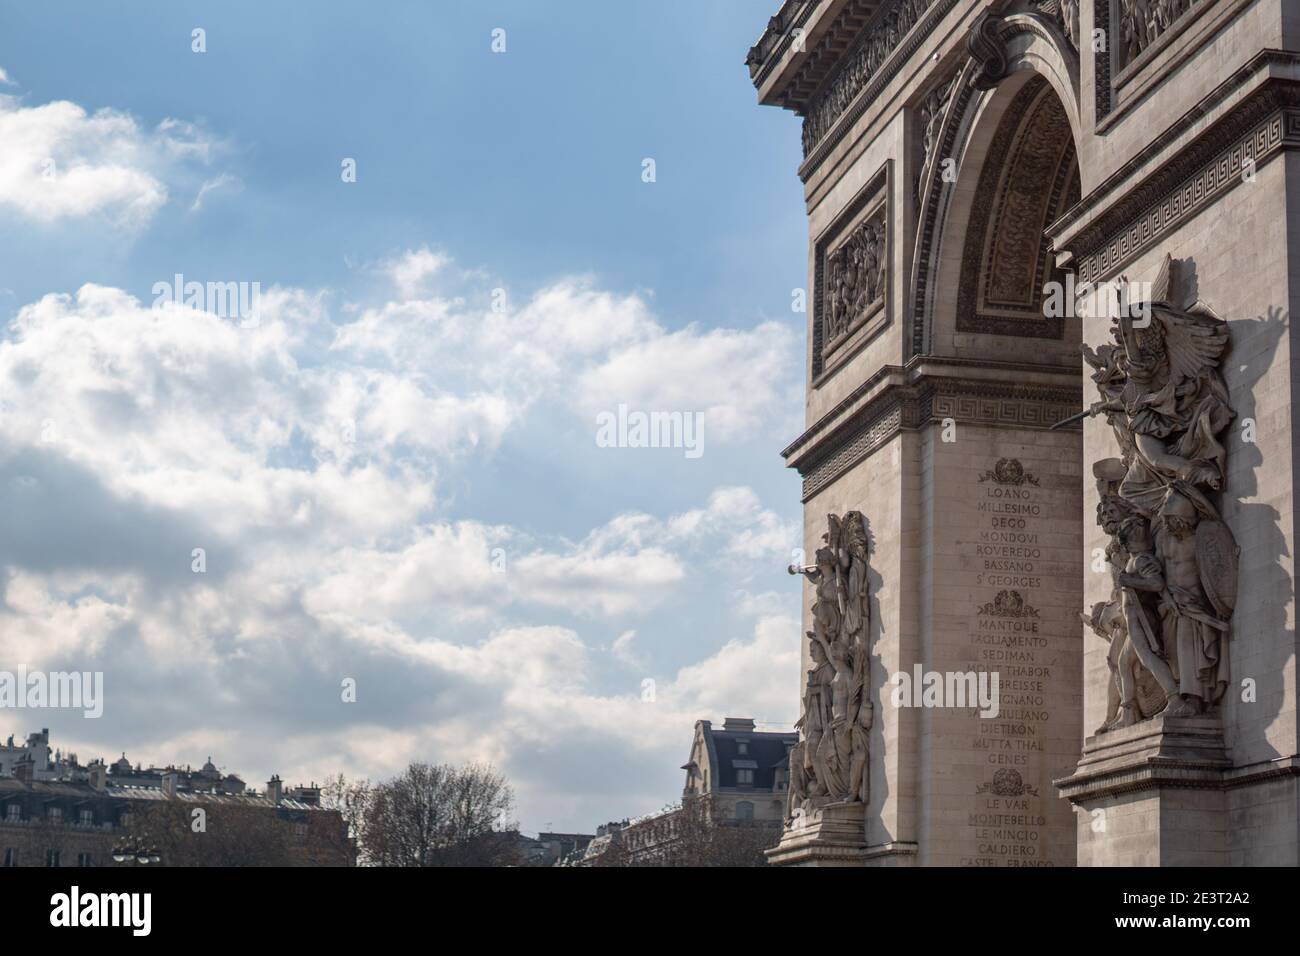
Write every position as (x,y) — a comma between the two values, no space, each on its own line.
(57,812)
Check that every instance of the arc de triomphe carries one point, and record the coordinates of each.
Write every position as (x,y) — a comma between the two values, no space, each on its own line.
(1025,213)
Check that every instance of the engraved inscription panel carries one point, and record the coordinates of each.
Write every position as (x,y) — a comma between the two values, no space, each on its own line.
(1009,563)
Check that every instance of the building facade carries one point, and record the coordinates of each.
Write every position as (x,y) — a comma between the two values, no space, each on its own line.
(733,800)
(56,812)
(743,772)
(1049,413)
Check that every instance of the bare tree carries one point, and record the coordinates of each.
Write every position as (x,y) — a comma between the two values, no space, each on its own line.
(214,836)
(707,840)
(439,815)
(213,833)
(349,798)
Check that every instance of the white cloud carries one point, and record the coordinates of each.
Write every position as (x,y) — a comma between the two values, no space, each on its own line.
(739,379)
(41,625)
(62,162)
(224,180)
(411,270)
(591,350)
(534,698)
(625,652)
(736,514)
(304,456)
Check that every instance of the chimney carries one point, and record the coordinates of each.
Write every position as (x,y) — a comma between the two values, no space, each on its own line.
(25,770)
(274,789)
(98,776)
(739,724)
(170,780)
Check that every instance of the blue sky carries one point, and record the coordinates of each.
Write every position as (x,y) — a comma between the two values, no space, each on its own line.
(352,464)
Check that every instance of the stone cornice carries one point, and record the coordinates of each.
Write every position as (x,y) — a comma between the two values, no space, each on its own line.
(899,848)
(1179,775)
(777,39)
(1100,238)
(1184,754)
(853,86)
(930,389)
(826,59)
(1261,62)
(788,73)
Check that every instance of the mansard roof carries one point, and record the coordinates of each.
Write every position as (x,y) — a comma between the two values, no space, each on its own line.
(766,752)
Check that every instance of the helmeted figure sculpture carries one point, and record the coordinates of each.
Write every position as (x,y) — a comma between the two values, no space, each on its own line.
(1173,559)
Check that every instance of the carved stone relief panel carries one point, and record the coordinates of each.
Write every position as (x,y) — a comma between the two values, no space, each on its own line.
(852,270)
(1143,22)
(1136,30)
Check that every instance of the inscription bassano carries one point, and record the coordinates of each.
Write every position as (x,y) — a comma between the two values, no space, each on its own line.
(1012,549)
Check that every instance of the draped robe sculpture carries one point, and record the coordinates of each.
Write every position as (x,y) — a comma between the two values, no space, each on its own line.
(829,764)
(1174,559)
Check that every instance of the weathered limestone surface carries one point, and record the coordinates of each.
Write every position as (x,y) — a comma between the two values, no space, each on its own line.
(966,154)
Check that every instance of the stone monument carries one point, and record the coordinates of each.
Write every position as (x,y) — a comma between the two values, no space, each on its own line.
(1071,640)
(828,777)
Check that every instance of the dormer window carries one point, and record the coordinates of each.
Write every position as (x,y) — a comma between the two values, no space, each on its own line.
(745,777)
(742,747)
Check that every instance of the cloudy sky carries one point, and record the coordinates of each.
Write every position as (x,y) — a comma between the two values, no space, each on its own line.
(392,468)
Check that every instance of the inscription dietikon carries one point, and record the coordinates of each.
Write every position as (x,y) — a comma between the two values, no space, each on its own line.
(1017,552)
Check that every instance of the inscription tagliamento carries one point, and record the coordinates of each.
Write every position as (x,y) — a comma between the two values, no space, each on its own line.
(1014,550)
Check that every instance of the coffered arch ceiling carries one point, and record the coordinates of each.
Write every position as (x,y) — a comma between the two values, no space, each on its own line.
(1029,178)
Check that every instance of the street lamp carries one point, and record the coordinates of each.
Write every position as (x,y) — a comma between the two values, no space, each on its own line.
(136,854)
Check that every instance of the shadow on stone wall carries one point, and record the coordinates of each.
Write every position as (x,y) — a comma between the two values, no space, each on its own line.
(1269,587)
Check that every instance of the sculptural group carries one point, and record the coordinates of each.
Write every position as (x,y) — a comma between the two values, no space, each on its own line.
(1171,557)
(829,763)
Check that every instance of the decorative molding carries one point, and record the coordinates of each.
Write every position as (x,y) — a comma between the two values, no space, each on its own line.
(817,59)
(932,110)
(987,64)
(1009,604)
(895,848)
(1009,471)
(848,92)
(1133,83)
(988,50)
(1007,783)
(1116,181)
(1101,61)
(823,454)
(1148,28)
(1257,130)
(776,39)
(931,192)
(1163,752)
(869,436)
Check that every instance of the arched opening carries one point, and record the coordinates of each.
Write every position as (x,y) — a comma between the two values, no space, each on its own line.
(1017,173)
(1029,178)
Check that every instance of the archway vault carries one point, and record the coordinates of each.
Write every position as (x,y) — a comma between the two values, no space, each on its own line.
(1029,177)
(999,165)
